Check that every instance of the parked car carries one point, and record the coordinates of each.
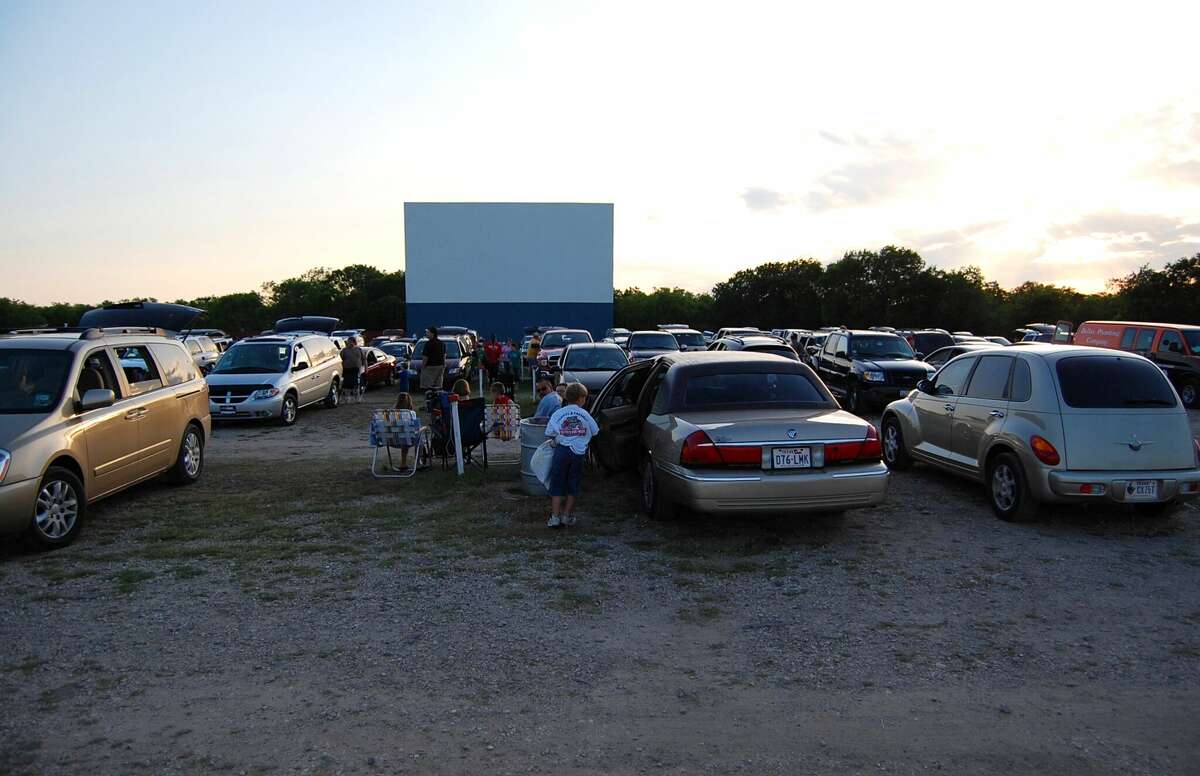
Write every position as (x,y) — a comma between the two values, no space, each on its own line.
(402,353)
(1050,423)
(310,324)
(76,426)
(924,341)
(708,335)
(966,339)
(730,331)
(648,344)
(809,347)
(688,339)
(218,336)
(553,343)
(1059,333)
(869,368)
(1175,348)
(999,341)
(458,359)
(379,368)
(203,351)
(756,343)
(617,335)
(939,357)
(345,334)
(735,433)
(591,363)
(275,376)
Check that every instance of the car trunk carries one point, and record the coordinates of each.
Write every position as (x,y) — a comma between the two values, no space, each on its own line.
(772,425)
(1116,440)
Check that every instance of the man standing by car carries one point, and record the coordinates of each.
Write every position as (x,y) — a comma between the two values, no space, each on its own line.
(352,363)
(435,361)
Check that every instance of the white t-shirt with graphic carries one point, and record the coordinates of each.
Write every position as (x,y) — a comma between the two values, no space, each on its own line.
(572,426)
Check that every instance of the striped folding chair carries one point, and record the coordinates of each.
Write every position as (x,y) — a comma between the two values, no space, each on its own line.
(401,430)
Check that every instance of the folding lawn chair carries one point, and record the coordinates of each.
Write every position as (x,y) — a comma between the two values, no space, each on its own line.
(399,429)
(472,423)
(503,420)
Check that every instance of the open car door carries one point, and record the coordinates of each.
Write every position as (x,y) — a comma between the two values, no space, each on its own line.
(1064,332)
(616,413)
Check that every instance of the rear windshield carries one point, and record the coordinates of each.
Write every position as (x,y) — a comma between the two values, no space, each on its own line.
(661,341)
(776,351)
(760,389)
(558,339)
(1193,339)
(689,340)
(31,381)
(1096,382)
(931,341)
(596,359)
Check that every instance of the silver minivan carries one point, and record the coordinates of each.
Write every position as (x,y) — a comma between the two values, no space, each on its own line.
(1050,423)
(273,377)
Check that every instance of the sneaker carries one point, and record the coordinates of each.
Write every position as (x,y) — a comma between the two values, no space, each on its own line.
(568,519)
(553,522)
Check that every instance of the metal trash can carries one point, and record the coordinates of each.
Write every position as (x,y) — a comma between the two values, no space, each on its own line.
(533,433)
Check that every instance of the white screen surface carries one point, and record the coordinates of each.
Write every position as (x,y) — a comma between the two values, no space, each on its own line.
(508,252)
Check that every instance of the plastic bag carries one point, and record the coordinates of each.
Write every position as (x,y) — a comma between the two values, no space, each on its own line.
(539,464)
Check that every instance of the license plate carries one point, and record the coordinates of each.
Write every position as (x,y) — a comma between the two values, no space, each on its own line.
(791,458)
(1141,490)
(228,410)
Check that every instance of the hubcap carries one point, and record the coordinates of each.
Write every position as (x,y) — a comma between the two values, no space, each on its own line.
(1189,394)
(1004,487)
(57,509)
(289,409)
(192,453)
(891,442)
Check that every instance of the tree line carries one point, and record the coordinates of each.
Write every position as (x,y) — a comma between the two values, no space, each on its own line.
(892,286)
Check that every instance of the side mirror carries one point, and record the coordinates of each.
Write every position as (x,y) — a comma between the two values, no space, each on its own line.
(300,366)
(840,354)
(925,386)
(918,355)
(96,398)
(812,350)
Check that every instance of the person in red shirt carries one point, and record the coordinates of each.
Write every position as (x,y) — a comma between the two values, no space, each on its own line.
(491,358)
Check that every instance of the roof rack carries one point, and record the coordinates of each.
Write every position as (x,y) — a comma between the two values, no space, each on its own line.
(90,332)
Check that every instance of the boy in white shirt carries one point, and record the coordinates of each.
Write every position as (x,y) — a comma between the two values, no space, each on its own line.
(570,429)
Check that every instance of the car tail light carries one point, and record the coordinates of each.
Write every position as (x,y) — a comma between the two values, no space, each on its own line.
(868,449)
(700,450)
(1044,451)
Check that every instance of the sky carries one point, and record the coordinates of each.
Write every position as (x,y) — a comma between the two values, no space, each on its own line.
(179,149)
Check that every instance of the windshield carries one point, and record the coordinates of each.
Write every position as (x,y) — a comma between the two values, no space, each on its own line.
(653,341)
(31,381)
(452,349)
(607,359)
(764,389)
(399,351)
(560,339)
(262,357)
(880,347)
(1193,339)
(690,340)
(1103,381)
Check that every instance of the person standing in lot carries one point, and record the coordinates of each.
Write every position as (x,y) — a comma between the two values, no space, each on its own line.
(352,362)
(535,347)
(570,430)
(434,364)
(550,400)
(491,358)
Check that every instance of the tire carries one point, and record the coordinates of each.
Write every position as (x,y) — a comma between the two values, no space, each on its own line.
(391,379)
(1159,510)
(333,398)
(895,454)
(1190,393)
(653,503)
(59,511)
(189,463)
(1008,490)
(853,400)
(290,410)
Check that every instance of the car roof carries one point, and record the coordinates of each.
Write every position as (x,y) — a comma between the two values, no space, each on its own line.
(594,346)
(681,331)
(569,331)
(871,333)
(651,331)
(967,347)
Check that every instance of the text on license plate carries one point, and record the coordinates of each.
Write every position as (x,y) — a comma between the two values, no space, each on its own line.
(1137,490)
(227,410)
(791,458)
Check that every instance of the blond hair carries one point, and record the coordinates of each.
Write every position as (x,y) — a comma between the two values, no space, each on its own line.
(575,392)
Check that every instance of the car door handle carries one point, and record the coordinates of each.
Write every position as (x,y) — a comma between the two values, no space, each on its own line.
(996,414)
(135,413)
(948,407)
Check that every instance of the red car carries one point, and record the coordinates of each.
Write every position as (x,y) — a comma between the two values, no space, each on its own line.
(379,368)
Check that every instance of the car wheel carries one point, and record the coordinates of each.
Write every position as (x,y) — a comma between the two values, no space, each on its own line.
(1157,510)
(391,380)
(653,503)
(290,409)
(895,454)
(1188,392)
(1009,490)
(334,397)
(853,400)
(190,461)
(59,510)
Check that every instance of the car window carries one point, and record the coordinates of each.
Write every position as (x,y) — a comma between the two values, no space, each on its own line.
(1193,339)
(655,341)
(628,386)
(595,359)
(653,392)
(32,381)
(254,357)
(990,380)
(880,346)
(1145,339)
(176,366)
(1105,382)
(140,370)
(1171,342)
(690,340)
(1022,387)
(560,339)
(193,346)
(371,357)
(300,355)
(940,357)
(950,381)
(765,389)
(1127,338)
(97,373)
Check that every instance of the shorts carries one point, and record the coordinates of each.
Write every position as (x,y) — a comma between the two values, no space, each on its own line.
(566,472)
(431,377)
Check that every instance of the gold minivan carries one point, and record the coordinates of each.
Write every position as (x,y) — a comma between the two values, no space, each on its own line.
(87,412)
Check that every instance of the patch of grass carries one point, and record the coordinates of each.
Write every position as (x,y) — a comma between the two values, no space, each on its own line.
(128,579)
(575,601)
(187,572)
(26,666)
(60,574)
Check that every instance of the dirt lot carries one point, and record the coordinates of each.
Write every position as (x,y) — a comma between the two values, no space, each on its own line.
(291,615)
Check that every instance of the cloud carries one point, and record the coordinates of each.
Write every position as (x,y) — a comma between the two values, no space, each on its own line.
(761,199)
(1114,224)
(1185,173)
(888,167)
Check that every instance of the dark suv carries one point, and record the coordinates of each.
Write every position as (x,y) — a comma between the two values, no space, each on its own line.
(925,341)
(869,368)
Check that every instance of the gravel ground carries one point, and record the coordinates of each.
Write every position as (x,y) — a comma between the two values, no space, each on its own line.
(289,614)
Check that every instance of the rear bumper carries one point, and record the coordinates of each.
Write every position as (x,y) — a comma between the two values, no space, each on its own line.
(1064,485)
(16,505)
(742,491)
(882,395)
